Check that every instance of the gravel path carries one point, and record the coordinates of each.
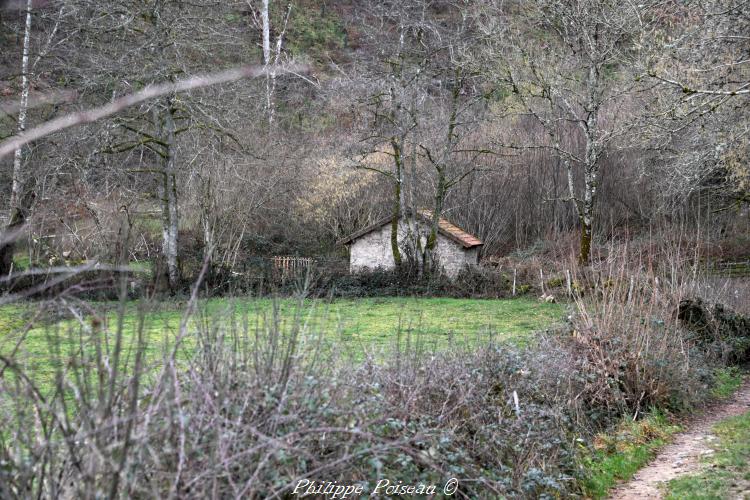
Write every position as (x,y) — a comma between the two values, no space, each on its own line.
(682,456)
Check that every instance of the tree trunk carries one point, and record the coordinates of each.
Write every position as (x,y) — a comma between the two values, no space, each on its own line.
(396,212)
(207,209)
(585,254)
(587,216)
(18,208)
(270,83)
(591,164)
(429,261)
(169,201)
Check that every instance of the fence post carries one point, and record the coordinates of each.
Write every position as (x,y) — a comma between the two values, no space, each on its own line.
(541,277)
(514,281)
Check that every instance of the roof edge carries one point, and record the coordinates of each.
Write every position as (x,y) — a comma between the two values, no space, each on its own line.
(385,220)
(367,229)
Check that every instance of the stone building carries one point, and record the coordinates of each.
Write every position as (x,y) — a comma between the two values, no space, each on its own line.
(370,248)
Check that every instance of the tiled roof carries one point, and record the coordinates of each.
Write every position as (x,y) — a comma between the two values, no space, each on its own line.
(452,231)
(445,227)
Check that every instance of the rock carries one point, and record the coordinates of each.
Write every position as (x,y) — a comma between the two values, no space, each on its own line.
(548,298)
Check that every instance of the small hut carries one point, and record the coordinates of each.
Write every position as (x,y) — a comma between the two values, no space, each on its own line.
(370,248)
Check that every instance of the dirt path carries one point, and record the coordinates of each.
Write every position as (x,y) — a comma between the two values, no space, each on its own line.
(682,456)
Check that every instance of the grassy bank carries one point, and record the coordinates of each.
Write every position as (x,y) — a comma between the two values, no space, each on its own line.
(618,455)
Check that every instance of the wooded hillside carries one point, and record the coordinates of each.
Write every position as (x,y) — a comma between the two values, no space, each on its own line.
(521,121)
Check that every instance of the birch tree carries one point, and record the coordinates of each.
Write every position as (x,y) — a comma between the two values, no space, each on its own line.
(271,59)
(164,123)
(19,198)
(151,133)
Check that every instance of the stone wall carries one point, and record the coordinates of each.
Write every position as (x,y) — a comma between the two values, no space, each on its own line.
(454,257)
(373,250)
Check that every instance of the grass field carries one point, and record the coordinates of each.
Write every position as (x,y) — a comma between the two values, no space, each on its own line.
(355,327)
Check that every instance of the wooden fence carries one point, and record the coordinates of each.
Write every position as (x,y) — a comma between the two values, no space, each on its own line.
(291,266)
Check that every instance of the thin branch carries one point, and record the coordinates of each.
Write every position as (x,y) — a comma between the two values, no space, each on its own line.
(382,172)
(742,90)
(150,92)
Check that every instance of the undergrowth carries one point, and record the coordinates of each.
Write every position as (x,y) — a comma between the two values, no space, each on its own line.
(726,381)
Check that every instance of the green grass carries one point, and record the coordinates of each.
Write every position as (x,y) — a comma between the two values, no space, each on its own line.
(21,261)
(13,317)
(356,327)
(726,381)
(728,472)
(618,456)
(142,266)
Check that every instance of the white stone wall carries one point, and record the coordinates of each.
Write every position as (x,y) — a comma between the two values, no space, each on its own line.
(373,251)
(452,257)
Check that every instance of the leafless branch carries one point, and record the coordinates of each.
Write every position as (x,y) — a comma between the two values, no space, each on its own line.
(150,92)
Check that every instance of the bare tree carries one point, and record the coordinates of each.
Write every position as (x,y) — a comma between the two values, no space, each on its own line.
(270,59)
(450,139)
(393,98)
(154,129)
(577,74)
(420,109)
(703,84)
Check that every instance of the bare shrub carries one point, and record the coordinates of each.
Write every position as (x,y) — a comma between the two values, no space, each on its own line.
(628,339)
